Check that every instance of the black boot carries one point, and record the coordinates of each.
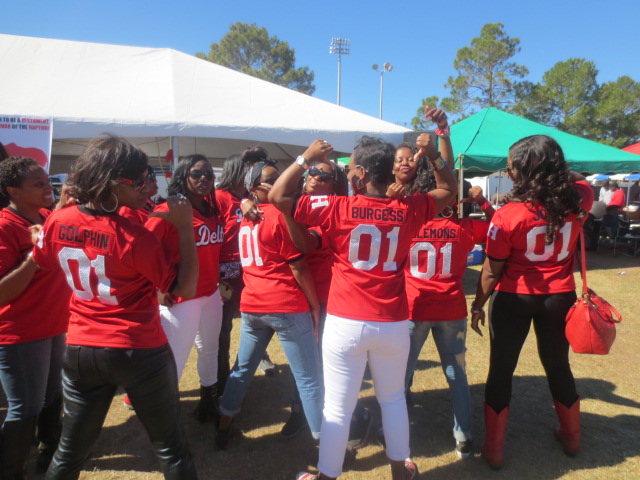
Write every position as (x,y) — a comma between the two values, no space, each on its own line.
(49,427)
(208,407)
(17,437)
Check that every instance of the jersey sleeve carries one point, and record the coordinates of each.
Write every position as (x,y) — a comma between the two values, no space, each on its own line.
(10,254)
(586,193)
(153,260)
(498,237)
(479,229)
(287,248)
(43,252)
(425,207)
(315,210)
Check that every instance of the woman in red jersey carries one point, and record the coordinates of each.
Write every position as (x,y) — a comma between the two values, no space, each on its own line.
(367,320)
(34,312)
(114,267)
(198,318)
(278,297)
(529,264)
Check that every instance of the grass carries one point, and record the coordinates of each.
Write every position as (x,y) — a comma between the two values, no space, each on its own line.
(609,385)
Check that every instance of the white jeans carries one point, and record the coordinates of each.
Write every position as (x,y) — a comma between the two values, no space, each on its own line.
(197,319)
(347,346)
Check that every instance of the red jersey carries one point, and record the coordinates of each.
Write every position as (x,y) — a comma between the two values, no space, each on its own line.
(516,235)
(114,267)
(370,238)
(617,199)
(229,206)
(319,261)
(41,310)
(138,216)
(209,234)
(437,262)
(266,249)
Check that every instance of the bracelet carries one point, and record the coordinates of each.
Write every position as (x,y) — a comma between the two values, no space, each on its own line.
(438,163)
(474,311)
(485,205)
(443,132)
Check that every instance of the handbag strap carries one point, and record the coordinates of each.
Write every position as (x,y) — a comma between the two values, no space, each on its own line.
(583,264)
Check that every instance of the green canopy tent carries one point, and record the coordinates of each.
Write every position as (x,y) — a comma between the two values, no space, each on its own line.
(481,143)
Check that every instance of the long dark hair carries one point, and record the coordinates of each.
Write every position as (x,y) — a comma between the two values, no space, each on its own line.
(424,179)
(541,177)
(104,159)
(232,174)
(178,183)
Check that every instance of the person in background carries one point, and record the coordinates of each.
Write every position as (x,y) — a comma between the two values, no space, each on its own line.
(114,268)
(618,199)
(31,349)
(530,252)
(605,193)
(367,319)
(140,215)
(229,194)
(198,318)
(279,297)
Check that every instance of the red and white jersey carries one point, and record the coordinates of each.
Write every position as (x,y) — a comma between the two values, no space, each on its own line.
(114,267)
(41,310)
(229,206)
(209,235)
(266,249)
(437,262)
(319,262)
(517,233)
(138,216)
(370,238)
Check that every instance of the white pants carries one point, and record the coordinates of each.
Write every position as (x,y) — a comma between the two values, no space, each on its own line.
(197,319)
(347,346)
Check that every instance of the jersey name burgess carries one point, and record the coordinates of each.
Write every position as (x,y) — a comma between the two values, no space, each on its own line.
(389,215)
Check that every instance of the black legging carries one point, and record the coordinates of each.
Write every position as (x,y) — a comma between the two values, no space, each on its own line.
(510,319)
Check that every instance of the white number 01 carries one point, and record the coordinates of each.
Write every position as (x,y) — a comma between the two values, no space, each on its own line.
(84,292)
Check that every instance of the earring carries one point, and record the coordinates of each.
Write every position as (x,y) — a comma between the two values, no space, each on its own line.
(446,212)
(114,208)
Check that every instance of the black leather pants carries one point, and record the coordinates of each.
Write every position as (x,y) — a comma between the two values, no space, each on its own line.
(91,376)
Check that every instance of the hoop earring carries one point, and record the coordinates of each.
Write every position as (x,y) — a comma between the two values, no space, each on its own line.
(446,212)
(114,208)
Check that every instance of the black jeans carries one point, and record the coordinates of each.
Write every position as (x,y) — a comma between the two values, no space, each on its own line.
(511,315)
(229,311)
(91,376)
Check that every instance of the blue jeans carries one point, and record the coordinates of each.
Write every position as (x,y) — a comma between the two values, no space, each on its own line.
(295,332)
(31,375)
(450,340)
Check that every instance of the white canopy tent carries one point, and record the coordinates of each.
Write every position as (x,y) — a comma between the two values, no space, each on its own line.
(159,98)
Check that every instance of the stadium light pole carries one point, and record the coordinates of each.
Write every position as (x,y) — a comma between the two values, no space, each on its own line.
(339,46)
(386,67)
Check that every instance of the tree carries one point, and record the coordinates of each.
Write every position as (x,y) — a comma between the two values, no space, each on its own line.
(565,99)
(419,122)
(617,116)
(486,74)
(249,49)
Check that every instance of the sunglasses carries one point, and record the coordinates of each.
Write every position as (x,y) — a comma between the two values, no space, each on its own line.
(321,175)
(138,185)
(198,174)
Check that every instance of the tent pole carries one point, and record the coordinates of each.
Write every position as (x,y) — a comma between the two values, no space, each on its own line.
(175,146)
(460,185)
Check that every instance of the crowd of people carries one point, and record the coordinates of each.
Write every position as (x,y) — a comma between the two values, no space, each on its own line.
(349,272)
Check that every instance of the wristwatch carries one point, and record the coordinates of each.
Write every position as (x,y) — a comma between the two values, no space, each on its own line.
(438,162)
(302,162)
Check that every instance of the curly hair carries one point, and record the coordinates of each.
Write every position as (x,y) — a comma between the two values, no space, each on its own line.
(104,159)
(424,180)
(13,171)
(376,156)
(541,178)
(178,183)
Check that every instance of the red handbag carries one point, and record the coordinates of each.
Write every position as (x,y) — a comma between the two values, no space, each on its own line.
(591,321)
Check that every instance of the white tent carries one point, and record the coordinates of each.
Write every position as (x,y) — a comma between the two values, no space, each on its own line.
(156,96)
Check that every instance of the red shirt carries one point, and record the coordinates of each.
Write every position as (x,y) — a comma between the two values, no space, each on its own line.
(319,261)
(617,199)
(114,267)
(41,310)
(437,262)
(370,238)
(209,234)
(266,249)
(229,206)
(138,216)
(516,234)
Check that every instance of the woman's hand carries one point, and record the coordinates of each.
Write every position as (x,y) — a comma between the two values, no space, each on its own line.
(477,316)
(180,213)
(35,232)
(395,190)
(475,196)
(426,148)
(318,151)
(166,299)
(437,116)
(251,211)
(315,315)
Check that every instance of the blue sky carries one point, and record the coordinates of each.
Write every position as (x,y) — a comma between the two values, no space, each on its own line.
(420,39)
